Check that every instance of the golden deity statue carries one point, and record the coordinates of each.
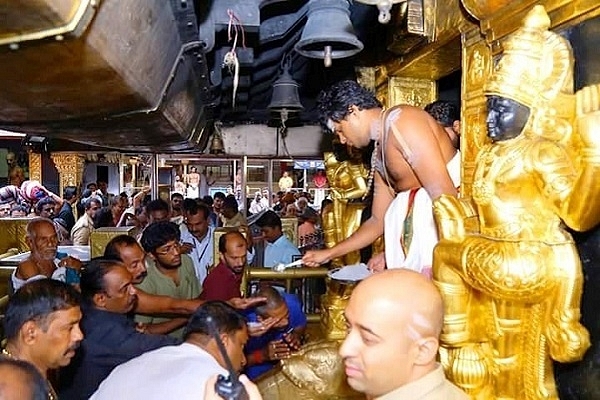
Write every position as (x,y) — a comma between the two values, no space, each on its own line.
(315,372)
(507,268)
(348,185)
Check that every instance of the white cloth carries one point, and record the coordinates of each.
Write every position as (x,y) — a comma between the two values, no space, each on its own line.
(192,192)
(171,372)
(202,253)
(59,274)
(425,237)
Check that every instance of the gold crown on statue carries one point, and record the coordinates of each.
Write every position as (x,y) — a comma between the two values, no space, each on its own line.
(536,64)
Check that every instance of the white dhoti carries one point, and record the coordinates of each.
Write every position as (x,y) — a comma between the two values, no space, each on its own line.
(192,192)
(417,252)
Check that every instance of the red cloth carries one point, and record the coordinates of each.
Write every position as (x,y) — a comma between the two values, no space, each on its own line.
(221,284)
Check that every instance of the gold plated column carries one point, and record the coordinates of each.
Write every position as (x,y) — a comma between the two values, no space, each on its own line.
(35,166)
(70,169)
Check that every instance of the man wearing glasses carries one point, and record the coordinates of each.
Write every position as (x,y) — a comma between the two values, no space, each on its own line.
(169,273)
(80,234)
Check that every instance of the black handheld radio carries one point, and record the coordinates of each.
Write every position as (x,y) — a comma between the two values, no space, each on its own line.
(229,388)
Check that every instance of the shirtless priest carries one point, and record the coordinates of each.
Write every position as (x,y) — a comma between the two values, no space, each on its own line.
(413,163)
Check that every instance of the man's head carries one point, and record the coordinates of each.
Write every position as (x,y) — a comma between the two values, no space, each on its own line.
(176,201)
(230,207)
(275,307)
(42,238)
(216,316)
(218,203)
(193,170)
(92,186)
(161,240)
(131,254)
(11,159)
(5,209)
(42,323)
(92,205)
(270,225)
(394,319)
(70,194)
(506,118)
(107,285)
(103,187)
(157,211)
(344,108)
(19,380)
(18,211)
(118,205)
(233,248)
(196,220)
(45,207)
(447,114)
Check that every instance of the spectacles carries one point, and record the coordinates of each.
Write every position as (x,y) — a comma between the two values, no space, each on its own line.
(174,248)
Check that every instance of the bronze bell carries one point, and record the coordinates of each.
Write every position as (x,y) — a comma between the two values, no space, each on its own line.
(328,33)
(216,142)
(285,98)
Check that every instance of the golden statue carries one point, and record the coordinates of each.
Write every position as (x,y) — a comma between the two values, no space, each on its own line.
(348,185)
(509,272)
(315,372)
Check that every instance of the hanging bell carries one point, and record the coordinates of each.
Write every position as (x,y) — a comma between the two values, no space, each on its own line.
(216,144)
(285,96)
(328,33)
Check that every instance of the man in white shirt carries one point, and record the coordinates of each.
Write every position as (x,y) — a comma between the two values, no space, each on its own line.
(181,372)
(394,320)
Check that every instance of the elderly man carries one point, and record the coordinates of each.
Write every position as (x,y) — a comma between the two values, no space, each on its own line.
(111,337)
(19,380)
(414,162)
(42,326)
(181,372)
(80,234)
(42,261)
(394,321)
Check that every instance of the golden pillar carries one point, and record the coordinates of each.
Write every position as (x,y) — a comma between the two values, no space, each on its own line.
(35,166)
(413,91)
(70,169)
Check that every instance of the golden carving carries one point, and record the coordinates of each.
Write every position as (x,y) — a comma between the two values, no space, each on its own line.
(315,372)
(512,285)
(100,237)
(333,302)
(348,184)
(35,166)
(289,227)
(416,92)
(13,231)
(481,9)
(70,169)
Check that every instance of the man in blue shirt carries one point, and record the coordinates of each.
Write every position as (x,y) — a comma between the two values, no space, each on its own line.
(279,249)
(285,324)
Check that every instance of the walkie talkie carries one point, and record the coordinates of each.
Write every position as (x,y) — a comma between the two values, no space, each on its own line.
(229,388)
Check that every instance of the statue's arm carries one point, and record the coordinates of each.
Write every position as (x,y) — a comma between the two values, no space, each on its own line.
(581,211)
(359,186)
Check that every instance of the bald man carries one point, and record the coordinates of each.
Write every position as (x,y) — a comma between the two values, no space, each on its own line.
(20,380)
(394,320)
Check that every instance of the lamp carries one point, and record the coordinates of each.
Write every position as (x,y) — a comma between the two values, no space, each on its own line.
(285,98)
(384,6)
(328,33)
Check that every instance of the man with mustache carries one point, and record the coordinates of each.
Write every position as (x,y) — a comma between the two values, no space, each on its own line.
(170,273)
(111,337)
(42,326)
(394,320)
(42,239)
